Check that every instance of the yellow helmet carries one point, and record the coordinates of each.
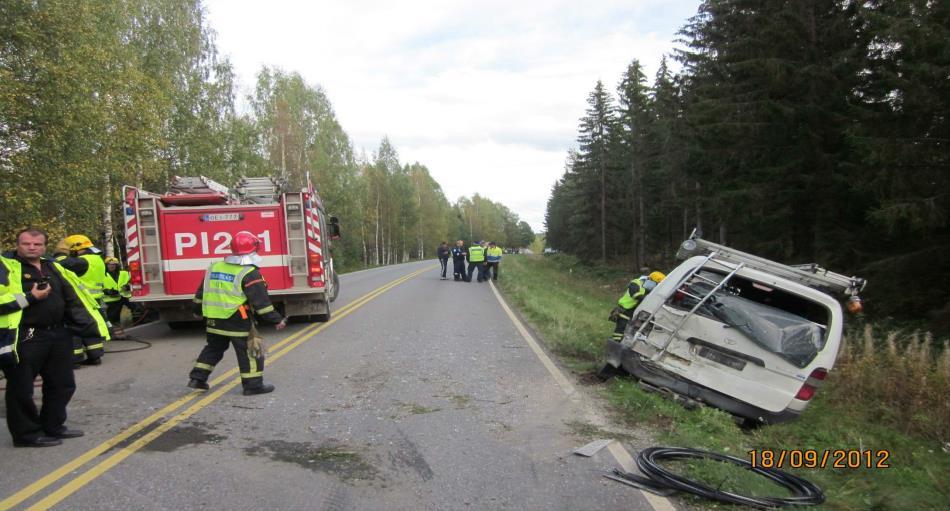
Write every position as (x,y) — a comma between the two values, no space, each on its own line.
(62,247)
(111,260)
(657,276)
(78,242)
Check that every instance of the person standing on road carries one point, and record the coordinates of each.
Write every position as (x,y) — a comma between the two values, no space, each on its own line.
(443,253)
(78,254)
(493,258)
(459,254)
(632,296)
(117,294)
(232,292)
(40,301)
(476,259)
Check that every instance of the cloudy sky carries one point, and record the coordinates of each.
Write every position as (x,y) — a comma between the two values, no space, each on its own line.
(486,94)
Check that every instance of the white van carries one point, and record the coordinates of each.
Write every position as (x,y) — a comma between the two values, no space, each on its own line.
(738,332)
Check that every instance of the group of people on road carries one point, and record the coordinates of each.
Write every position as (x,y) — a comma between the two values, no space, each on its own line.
(55,315)
(55,312)
(482,256)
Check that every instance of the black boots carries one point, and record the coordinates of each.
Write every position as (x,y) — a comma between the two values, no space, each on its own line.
(248,391)
(263,389)
(198,384)
(42,441)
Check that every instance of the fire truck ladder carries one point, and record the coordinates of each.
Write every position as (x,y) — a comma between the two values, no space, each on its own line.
(149,239)
(259,190)
(199,184)
(692,278)
(296,234)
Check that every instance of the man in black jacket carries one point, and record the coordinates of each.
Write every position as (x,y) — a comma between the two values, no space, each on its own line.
(48,302)
(459,253)
(443,253)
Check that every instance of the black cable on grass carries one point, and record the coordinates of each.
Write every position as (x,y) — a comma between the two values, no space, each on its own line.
(660,480)
(146,346)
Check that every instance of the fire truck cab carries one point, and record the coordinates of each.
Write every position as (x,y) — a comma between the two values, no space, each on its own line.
(172,238)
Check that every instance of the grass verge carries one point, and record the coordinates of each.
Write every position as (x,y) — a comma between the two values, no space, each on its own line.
(859,406)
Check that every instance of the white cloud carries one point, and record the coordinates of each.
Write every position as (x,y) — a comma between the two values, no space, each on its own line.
(486,94)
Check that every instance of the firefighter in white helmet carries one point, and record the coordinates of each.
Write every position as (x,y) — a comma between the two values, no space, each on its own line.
(231,294)
(117,293)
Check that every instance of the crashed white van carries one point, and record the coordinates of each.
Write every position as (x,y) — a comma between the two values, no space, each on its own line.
(738,332)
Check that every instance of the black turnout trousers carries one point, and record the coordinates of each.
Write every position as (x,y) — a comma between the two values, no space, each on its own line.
(49,353)
(252,369)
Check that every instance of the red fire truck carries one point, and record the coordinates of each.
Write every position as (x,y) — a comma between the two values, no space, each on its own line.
(172,238)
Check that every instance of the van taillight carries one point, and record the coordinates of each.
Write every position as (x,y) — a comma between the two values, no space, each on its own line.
(806,392)
(811,384)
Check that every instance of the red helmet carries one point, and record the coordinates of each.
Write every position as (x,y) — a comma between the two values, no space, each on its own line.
(244,243)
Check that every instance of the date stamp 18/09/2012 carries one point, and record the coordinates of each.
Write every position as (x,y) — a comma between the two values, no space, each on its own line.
(820,458)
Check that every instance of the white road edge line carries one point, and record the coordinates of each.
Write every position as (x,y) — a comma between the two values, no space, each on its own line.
(618,451)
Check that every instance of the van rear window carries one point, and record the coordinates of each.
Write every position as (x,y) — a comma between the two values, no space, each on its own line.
(783,323)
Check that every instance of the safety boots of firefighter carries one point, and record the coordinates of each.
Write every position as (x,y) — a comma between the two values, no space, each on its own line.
(198,384)
(263,389)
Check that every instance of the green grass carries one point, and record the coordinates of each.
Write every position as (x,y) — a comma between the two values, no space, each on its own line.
(567,303)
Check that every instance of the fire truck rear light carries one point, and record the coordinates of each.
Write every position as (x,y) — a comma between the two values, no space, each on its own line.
(314,258)
(316,270)
(135,266)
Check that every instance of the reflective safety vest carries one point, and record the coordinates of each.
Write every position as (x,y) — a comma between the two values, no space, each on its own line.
(494,254)
(476,254)
(95,277)
(222,293)
(628,301)
(111,284)
(12,290)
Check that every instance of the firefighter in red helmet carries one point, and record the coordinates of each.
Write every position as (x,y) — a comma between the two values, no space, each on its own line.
(232,293)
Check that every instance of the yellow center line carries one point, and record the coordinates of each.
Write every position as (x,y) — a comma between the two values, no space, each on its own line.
(81,460)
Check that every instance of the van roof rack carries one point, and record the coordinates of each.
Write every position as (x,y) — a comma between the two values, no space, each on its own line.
(811,275)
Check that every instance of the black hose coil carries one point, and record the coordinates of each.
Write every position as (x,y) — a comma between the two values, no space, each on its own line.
(804,493)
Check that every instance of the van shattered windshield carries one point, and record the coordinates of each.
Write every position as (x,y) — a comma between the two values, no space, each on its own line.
(785,324)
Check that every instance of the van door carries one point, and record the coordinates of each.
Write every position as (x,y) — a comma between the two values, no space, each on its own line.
(749,340)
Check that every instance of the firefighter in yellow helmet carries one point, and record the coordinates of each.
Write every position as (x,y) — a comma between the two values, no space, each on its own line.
(117,294)
(78,254)
(632,296)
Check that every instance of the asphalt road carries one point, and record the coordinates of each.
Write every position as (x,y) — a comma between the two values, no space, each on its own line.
(421,395)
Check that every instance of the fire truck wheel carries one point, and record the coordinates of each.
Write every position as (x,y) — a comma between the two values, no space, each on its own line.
(320,318)
(335,290)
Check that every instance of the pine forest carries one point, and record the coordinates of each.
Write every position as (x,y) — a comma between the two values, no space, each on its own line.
(803,131)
